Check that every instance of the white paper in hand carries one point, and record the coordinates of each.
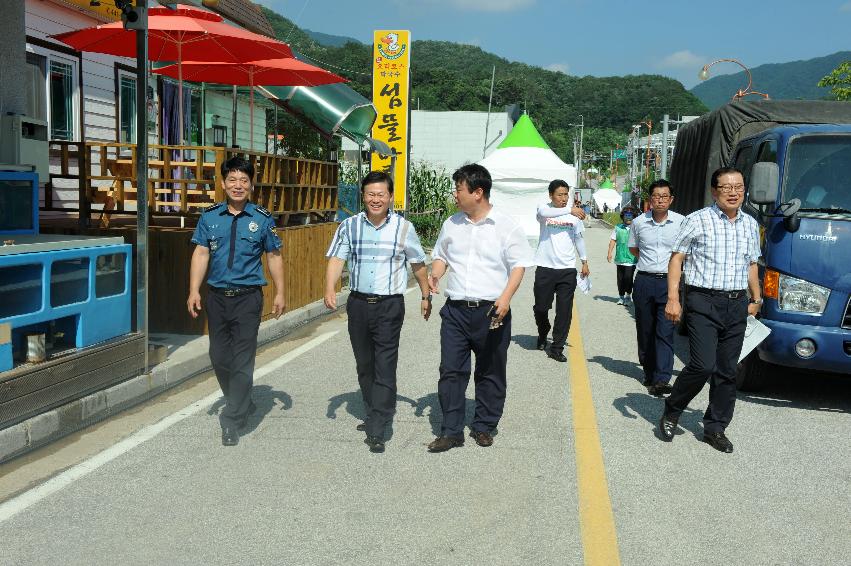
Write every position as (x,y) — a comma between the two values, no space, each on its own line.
(755,332)
(584,284)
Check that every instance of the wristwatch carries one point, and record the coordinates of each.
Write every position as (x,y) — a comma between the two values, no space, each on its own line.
(755,301)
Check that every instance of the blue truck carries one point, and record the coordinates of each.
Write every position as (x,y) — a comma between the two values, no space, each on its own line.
(796,160)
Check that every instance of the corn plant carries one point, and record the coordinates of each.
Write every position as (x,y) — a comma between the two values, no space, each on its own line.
(430,200)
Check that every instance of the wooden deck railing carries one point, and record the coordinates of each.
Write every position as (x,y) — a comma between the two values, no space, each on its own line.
(183,180)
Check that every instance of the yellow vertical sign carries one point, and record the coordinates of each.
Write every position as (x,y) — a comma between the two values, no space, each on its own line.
(391,72)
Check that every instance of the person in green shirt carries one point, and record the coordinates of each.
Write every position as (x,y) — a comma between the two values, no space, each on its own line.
(625,261)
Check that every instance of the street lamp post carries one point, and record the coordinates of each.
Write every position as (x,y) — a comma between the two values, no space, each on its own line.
(578,159)
(741,93)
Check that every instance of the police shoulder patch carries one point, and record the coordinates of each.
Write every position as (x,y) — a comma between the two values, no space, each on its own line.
(213,207)
(262,210)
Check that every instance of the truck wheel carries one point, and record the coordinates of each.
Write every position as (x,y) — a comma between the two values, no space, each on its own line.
(751,373)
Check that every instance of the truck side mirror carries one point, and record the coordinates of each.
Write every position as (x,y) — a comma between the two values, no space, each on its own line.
(765,178)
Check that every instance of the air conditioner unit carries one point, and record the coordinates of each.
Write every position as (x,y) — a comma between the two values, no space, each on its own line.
(23,141)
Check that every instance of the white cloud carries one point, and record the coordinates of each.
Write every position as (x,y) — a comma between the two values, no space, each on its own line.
(845,7)
(492,5)
(558,67)
(684,59)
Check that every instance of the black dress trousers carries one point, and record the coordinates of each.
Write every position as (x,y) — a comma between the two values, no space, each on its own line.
(233,323)
(463,330)
(374,329)
(716,330)
(655,332)
(561,284)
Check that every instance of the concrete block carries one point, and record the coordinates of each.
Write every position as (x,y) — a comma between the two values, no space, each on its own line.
(94,406)
(126,392)
(158,378)
(12,440)
(42,427)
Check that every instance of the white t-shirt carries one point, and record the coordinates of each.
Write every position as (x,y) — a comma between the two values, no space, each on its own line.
(560,238)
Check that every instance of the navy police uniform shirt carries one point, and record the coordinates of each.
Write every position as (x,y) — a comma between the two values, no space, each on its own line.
(236,244)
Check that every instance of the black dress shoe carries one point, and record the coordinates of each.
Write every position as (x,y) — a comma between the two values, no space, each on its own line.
(482,438)
(557,356)
(659,388)
(444,443)
(361,427)
(667,428)
(718,441)
(375,444)
(229,436)
(542,343)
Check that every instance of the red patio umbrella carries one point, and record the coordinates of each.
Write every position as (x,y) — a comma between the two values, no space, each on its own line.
(186,33)
(270,72)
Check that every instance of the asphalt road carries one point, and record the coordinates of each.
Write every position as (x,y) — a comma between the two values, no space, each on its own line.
(302,488)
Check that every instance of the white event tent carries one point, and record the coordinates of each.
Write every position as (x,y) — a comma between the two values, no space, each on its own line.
(521,168)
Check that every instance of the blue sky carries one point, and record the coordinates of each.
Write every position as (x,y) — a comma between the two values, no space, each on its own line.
(603,37)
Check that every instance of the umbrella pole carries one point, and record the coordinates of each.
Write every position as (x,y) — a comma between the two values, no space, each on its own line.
(251,105)
(180,90)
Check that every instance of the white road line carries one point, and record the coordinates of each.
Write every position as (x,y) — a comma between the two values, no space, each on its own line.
(14,506)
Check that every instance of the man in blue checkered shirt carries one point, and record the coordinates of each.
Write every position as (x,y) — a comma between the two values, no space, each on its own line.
(378,244)
(722,246)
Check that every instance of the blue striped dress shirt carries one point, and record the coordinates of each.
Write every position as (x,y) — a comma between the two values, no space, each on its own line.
(377,255)
(719,252)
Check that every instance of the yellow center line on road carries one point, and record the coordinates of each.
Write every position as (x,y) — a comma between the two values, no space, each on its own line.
(596,520)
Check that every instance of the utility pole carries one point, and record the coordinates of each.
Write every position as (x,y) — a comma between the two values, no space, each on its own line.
(488,123)
(581,138)
(141,27)
(664,173)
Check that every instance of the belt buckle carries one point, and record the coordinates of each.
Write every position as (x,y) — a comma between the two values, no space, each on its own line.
(372,300)
(734,294)
(472,304)
(230,293)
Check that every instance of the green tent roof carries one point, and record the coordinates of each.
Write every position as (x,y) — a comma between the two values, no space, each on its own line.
(607,184)
(524,134)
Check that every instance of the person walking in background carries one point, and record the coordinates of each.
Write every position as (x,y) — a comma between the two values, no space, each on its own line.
(722,245)
(230,239)
(624,260)
(378,244)
(487,254)
(651,238)
(559,243)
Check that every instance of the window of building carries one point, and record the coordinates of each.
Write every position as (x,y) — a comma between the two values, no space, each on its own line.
(52,84)
(126,108)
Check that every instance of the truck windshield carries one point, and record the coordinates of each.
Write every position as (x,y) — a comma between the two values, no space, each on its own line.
(818,171)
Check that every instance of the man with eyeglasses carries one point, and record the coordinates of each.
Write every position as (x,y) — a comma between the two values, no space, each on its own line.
(651,239)
(378,244)
(722,246)
(230,239)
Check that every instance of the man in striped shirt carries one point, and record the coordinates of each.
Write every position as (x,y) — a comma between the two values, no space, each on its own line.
(378,244)
(722,245)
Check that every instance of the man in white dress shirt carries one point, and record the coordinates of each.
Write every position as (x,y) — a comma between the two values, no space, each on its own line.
(487,254)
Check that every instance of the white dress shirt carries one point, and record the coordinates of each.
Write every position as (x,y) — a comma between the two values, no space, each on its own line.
(480,255)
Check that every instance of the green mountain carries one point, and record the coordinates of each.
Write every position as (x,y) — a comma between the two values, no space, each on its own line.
(796,80)
(452,76)
(330,40)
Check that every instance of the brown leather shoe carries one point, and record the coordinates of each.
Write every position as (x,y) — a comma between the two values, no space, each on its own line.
(482,438)
(444,443)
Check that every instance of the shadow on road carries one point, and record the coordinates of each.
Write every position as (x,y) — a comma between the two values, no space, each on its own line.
(649,408)
(526,341)
(810,391)
(431,402)
(265,398)
(355,407)
(620,367)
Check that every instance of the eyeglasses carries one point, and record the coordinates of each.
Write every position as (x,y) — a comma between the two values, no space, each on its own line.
(727,189)
(661,197)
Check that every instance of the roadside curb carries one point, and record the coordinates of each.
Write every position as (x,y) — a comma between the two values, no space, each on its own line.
(42,429)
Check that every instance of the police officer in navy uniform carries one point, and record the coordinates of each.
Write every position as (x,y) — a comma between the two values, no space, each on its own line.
(231,238)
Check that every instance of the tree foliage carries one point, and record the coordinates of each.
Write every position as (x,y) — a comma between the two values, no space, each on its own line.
(452,76)
(839,81)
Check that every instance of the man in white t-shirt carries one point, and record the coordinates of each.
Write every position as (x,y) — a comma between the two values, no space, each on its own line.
(559,243)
